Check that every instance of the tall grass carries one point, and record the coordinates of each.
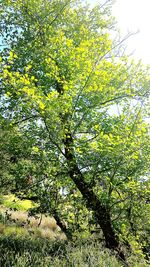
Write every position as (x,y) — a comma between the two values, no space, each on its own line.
(29,252)
(32,242)
(19,223)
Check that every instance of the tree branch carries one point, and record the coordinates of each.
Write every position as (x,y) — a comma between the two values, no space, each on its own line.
(25,119)
(51,139)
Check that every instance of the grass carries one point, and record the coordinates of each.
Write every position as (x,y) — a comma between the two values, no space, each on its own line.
(19,223)
(14,219)
(40,252)
(26,243)
(28,252)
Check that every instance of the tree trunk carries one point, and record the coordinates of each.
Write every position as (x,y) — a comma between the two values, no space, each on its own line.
(62,225)
(101,212)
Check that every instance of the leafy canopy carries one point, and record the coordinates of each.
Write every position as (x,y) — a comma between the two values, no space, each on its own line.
(61,62)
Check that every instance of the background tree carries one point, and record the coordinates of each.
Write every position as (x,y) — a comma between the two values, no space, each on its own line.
(80,105)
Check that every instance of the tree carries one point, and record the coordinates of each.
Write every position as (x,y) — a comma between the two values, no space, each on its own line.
(62,82)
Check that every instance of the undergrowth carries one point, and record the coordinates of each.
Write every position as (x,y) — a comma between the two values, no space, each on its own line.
(40,252)
(30,245)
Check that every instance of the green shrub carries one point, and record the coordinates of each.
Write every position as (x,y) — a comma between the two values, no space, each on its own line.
(10,201)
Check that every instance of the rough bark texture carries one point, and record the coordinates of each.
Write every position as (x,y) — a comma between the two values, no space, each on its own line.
(99,209)
(101,212)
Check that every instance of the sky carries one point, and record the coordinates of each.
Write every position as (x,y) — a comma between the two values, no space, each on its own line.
(133,16)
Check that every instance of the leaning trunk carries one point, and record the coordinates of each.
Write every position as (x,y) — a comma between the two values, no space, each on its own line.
(62,225)
(100,210)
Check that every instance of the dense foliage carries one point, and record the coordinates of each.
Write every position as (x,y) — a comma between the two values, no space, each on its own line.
(74,120)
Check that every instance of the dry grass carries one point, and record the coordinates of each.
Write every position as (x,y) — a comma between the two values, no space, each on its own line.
(44,222)
(46,233)
(21,224)
(19,216)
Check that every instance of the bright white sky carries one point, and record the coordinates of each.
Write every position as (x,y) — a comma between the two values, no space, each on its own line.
(133,16)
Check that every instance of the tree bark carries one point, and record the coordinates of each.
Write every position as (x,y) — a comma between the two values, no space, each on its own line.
(62,225)
(101,212)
